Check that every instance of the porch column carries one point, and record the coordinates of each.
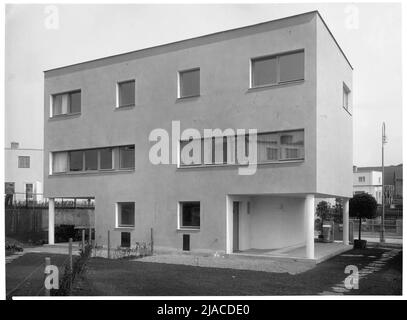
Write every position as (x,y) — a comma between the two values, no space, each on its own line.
(345,220)
(309,208)
(51,220)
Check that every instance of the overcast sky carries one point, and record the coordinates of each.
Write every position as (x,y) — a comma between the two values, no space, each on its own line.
(372,42)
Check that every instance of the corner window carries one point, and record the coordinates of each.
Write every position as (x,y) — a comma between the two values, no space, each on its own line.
(125,214)
(277,69)
(126,156)
(345,97)
(23,161)
(66,103)
(126,93)
(190,215)
(189,83)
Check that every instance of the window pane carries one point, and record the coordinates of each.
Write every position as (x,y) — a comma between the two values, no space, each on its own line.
(291,66)
(192,155)
(59,162)
(190,212)
(91,160)
(125,239)
(23,161)
(127,93)
(292,145)
(267,147)
(127,157)
(189,83)
(264,71)
(76,160)
(57,104)
(75,102)
(126,214)
(106,158)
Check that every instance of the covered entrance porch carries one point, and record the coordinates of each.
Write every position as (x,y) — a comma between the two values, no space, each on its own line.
(279,226)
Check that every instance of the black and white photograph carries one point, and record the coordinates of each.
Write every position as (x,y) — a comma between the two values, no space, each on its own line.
(202,150)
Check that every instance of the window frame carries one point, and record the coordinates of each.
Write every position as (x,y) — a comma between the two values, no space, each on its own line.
(120,157)
(179,87)
(117,212)
(277,57)
(118,83)
(180,165)
(346,92)
(69,113)
(180,215)
(23,160)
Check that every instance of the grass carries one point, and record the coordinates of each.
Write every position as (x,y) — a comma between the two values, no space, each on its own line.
(122,277)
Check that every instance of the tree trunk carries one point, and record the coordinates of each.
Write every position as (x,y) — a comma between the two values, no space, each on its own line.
(360,226)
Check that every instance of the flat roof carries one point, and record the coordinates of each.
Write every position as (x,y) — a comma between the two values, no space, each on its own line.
(212,37)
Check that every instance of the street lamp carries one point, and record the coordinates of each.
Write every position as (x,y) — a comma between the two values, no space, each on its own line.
(384,141)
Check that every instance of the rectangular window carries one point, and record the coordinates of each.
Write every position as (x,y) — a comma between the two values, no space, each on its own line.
(273,146)
(106,158)
(345,98)
(91,159)
(362,179)
(23,161)
(126,156)
(59,162)
(277,69)
(189,83)
(127,93)
(9,187)
(75,160)
(190,215)
(66,103)
(125,214)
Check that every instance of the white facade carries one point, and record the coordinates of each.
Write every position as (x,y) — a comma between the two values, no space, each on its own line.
(24,169)
(369,182)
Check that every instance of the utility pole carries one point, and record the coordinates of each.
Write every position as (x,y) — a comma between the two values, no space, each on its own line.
(382,240)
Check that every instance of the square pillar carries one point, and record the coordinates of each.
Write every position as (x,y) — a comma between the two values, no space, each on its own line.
(309,210)
(51,220)
(345,219)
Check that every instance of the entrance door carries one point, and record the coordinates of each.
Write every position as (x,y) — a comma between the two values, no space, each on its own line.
(235,226)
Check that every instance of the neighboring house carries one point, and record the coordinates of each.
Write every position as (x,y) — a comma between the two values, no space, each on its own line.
(287,78)
(368,182)
(393,178)
(23,173)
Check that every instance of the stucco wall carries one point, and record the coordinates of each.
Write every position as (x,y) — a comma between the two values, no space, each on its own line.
(21,176)
(334,123)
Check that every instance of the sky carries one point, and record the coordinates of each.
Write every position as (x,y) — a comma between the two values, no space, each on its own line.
(42,37)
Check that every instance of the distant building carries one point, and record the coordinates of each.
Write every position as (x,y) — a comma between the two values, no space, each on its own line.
(393,179)
(368,181)
(23,174)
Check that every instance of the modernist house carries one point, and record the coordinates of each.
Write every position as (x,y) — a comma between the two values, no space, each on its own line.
(286,78)
(23,174)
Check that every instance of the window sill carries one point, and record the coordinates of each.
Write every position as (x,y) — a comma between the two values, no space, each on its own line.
(124,228)
(95,172)
(347,111)
(188,97)
(241,165)
(65,116)
(276,85)
(182,230)
(128,107)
